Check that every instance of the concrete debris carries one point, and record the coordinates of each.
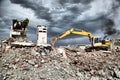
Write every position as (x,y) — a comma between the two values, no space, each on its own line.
(22,44)
(32,62)
(34,53)
(62,51)
(80,74)
(109,52)
(94,78)
(117,73)
(57,63)
(115,45)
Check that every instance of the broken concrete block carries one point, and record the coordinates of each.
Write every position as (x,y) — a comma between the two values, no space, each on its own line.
(79,74)
(16,60)
(36,65)
(43,54)
(42,61)
(32,62)
(63,52)
(94,78)
(117,73)
(33,52)
(7,47)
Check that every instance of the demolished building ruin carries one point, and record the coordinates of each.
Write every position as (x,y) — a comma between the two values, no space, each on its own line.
(18,37)
(18,33)
(19,29)
(55,63)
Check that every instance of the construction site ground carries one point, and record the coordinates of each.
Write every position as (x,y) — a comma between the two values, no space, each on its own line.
(58,63)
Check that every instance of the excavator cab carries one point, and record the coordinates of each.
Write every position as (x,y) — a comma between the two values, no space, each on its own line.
(97,39)
(101,40)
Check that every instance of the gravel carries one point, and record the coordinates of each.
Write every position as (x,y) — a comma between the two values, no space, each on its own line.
(23,64)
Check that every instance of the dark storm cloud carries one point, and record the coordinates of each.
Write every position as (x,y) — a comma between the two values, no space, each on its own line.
(4,22)
(25,3)
(1,1)
(75,1)
(40,11)
(82,1)
(61,15)
(4,29)
(31,33)
(43,13)
(109,28)
(74,9)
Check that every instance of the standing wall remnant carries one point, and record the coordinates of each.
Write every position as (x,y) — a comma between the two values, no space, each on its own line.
(41,35)
(18,29)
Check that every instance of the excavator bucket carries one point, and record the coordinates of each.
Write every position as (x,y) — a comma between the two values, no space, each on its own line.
(53,40)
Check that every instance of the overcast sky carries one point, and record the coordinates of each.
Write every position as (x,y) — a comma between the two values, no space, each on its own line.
(60,15)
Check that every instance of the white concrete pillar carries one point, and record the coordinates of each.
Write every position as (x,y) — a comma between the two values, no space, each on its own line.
(11,32)
(41,35)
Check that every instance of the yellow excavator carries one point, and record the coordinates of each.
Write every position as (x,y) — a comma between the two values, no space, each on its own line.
(96,43)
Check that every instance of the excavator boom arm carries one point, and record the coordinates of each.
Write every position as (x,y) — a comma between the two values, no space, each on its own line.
(72,31)
(54,39)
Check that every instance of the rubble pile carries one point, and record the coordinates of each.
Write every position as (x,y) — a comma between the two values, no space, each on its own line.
(58,63)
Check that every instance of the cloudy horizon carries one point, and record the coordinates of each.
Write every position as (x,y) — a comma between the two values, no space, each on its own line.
(58,16)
